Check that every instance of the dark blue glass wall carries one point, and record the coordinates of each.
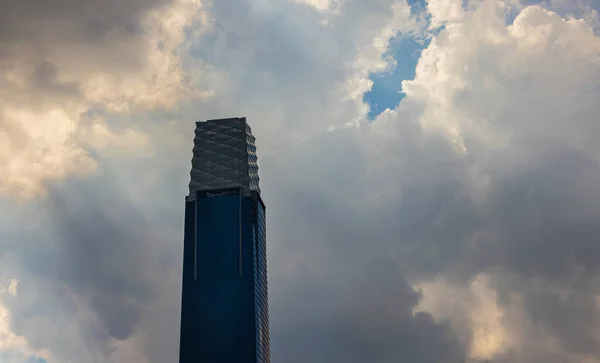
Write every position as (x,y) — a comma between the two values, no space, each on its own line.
(224,312)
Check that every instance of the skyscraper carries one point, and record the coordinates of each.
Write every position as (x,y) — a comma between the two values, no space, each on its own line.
(224,308)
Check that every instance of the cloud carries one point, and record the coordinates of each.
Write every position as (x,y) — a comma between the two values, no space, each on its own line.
(63,59)
(14,348)
(517,102)
(321,5)
(44,151)
(474,313)
(101,138)
(97,275)
(444,11)
(460,226)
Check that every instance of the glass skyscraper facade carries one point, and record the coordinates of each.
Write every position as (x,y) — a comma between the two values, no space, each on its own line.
(224,308)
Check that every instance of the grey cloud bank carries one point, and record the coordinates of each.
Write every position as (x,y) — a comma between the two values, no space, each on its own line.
(461,226)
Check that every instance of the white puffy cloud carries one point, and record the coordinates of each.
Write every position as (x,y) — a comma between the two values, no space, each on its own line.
(485,80)
(444,11)
(472,310)
(38,147)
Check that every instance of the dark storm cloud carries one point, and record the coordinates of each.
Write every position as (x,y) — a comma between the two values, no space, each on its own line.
(54,46)
(356,306)
(50,21)
(543,216)
(541,212)
(345,318)
(569,314)
(338,294)
(97,249)
(547,213)
(45,76)
(535,232)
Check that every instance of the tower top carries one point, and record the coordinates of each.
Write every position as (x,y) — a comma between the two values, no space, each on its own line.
(224,156)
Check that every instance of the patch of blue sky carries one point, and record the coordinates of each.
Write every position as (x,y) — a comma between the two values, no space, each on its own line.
(386,92)
(387,86)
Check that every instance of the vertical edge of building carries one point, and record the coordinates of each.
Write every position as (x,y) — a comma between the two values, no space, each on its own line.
(263,350)
(224,308)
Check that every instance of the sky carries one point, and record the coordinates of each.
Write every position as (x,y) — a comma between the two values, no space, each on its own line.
(430,169)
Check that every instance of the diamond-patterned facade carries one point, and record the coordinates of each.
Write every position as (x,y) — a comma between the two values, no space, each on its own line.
(224,156)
